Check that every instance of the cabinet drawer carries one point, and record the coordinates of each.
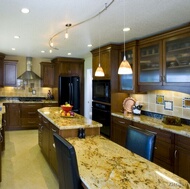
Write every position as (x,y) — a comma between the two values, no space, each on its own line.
(121,121)
(29,122)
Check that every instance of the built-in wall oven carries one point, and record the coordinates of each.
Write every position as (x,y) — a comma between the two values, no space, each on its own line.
(102,114)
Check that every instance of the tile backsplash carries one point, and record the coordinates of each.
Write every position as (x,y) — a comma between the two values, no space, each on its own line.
(172,103)
(25,90)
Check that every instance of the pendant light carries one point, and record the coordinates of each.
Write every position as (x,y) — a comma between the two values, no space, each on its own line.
(99,71)
(124,67)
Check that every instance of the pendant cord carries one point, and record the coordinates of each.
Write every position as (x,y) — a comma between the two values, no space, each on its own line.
(124,30)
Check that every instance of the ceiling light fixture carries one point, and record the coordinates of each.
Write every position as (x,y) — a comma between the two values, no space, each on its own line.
(125,67)
(66,32)
(25,10)
(16,37)
(13,49)
(77,24)
(99,71)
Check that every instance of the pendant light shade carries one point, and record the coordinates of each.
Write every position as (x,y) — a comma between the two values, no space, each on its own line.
(99,71)
(125,67)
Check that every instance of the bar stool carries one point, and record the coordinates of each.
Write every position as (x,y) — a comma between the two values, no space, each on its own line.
(141,142)
(68,173)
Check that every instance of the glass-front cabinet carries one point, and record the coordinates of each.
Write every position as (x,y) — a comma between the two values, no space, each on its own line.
(177,60)
(128,82)
(150,64)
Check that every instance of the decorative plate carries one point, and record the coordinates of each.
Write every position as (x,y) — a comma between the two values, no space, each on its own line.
(128,104)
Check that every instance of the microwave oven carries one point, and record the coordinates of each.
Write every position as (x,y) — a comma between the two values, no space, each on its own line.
(101,90)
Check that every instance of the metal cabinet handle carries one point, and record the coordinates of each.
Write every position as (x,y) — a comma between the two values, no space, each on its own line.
(122,122)
(175,154)
(54,130)
(54,145)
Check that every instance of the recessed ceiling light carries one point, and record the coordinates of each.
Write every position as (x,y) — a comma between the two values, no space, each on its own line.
(42,51)
(16,37)
(89,45)
(50,51)
(25,10)
(126,29)
(69,53)
(13,49)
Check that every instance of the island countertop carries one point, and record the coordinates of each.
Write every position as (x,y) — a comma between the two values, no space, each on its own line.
(104,164)
(65,123)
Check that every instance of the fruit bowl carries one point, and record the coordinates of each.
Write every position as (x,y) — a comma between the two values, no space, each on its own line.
(66,108)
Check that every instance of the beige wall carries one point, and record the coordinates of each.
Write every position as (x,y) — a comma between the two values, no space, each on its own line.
(149,102)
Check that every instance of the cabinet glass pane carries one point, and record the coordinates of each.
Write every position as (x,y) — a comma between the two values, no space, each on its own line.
(178,60)
(149,64)
(126,81)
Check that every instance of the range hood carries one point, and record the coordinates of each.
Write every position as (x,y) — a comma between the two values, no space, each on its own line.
(28,74)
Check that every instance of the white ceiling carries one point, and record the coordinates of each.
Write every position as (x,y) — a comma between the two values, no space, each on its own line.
(48,17)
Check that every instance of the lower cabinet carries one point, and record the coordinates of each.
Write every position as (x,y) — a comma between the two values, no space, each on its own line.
(29,114)
(119,130)
(171,150)
(46,142)
(182,156)
(12,116)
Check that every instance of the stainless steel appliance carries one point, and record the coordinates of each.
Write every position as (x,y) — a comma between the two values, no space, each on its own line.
(102,114)
(69,91)
(101,90)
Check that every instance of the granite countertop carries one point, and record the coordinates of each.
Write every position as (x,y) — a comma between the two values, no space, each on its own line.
(105,164)
(18,101)
(157,123)
(78,121)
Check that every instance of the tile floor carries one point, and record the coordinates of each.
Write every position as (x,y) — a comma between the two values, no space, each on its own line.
(23,165)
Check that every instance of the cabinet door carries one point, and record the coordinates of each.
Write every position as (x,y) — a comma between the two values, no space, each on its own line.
(150,64)
(1,73)
(182,157)
(104,59)
(119,130)
(47,74)
(52,155)
(12,116)
(45,132)
(128,81)
(10,73)
(177,60)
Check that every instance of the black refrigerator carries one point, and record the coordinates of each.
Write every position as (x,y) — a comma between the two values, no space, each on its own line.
(69,91)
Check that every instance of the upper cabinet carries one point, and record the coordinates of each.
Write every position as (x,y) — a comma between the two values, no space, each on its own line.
(177,60)
(150,63)
(2,56)
(108,57)
(128,82)
(164,61)
(10,72)
(68,67)
(47,74)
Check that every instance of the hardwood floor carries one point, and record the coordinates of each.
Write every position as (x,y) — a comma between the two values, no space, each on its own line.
(23,165)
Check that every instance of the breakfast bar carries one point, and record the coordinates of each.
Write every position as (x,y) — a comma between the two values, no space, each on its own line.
(105,164)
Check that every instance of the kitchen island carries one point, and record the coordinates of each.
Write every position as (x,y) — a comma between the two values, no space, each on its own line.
(104,164)
(51,121)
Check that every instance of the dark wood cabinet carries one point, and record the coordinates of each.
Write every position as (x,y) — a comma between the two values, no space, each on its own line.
(10,72)
(52,154)
(45,132)
(46,141)
(163,61)
(12,116)
(47,74)
(128,82)
(164,146)
(29,114)
(2,56)
(51,104)
(182,157)
(119,130)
